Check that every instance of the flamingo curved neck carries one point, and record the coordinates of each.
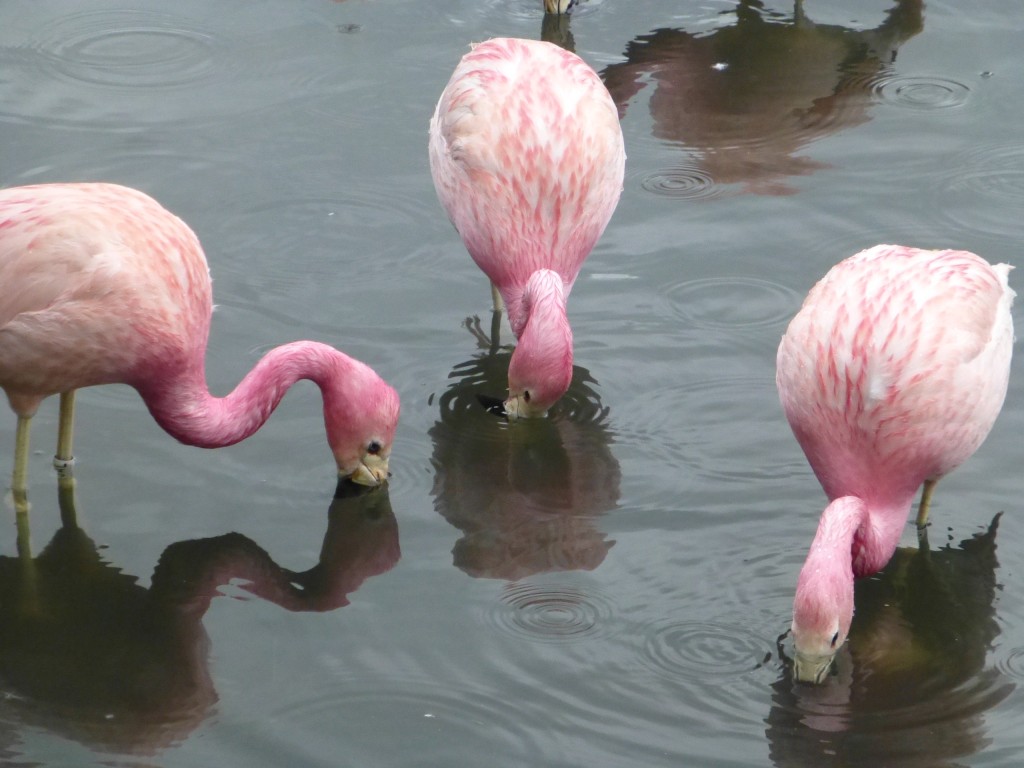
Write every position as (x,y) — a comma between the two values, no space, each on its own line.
(545,335)
(543,298)
(865,534)
(182,404)
(823,604)
(841,522)
(541,366)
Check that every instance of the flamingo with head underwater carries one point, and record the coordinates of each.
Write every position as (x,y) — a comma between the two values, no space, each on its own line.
(891,375)
(100,284)
(527,158)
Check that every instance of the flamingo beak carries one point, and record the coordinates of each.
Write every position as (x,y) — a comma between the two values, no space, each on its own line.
(372,470)
(514,409)
(811,668)
(558,7)
(517,408)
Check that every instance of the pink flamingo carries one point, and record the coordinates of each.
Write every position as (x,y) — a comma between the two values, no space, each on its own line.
(891,375)
(102,285)
(527,158)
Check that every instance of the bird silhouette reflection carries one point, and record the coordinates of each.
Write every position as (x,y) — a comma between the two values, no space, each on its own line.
(525,496)
(89,654)
(747,97)
(912,683)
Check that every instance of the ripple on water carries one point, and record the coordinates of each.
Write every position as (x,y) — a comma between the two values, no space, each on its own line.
(434,719)
(729,431)
(552,612)
(733,302)
(684,182)
(130,68)
(1012,664)
(702,650)
(920,92)
(126,49)
(135,58)
(331,238)
(977,188)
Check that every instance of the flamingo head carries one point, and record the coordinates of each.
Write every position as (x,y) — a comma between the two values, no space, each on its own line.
(822,614)
(361,417)
(541,366)
(823,606)
(558,7)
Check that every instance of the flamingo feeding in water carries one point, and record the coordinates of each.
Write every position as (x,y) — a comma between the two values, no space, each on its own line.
(527,158)
(891,375)
(103,285)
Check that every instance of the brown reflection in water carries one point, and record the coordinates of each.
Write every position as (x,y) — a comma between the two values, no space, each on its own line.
(90,655)
(525,496)
(912,687)
(747,97)
(555,29)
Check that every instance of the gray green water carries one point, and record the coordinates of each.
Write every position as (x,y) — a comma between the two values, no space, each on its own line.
(602,589)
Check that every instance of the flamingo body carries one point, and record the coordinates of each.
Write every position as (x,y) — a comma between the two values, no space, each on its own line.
(100,284)
(891,375)
(527,159)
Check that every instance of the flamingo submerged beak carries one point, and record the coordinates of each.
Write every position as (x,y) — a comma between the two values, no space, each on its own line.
(372,470)
(512,409)
(811,668)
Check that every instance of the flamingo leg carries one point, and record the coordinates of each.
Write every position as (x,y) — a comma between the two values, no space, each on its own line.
(798,13)
(19,481)
(66,497)
(495,332)
(65,431)
(28,594)
(922,540)
(499,304)
(926,499)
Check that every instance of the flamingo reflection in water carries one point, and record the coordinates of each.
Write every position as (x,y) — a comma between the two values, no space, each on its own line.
(525,499)
(90,655)
(747,97)
(912,680)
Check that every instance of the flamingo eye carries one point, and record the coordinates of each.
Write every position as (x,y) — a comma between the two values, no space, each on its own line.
(373,448)
(526,395)
(835,639)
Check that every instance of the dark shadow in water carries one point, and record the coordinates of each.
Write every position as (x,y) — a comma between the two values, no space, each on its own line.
(911,688)
(526,495)
(745,98)
(90,655)
(555,29)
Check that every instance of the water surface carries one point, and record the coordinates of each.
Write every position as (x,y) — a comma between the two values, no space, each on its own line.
(604,588)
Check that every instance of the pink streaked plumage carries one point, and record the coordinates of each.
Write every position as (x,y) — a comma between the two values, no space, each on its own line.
(528,160)
(891,375)
(100,284)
